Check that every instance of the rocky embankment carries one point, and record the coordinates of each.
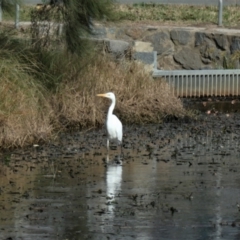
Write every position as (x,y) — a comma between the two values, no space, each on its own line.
(176,47)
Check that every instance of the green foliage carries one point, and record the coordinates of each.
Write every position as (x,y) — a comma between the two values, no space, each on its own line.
(27,61)
(76,17)
(8,6)
(49,67)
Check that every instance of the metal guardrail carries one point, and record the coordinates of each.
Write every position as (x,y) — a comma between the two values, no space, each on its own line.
(198,83)
(189,2)
(220,10)
(17,14)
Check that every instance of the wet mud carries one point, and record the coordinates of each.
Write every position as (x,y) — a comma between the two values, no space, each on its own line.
(177,180)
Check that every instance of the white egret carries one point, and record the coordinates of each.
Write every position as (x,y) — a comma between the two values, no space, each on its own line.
(113,124)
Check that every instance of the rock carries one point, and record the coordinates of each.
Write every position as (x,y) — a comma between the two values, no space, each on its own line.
(206,60)
(99,32)
(208,49)
(117,48)
(199,38)
(111,32)
(221,41)
(167,63)
(161,43)
(180,37)
(135,32)
(142,46)
(121,34)
(235,44)
(145,57)
(189,58)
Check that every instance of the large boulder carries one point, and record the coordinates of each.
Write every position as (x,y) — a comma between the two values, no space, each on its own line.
(188,58)
(235,45)
(135,33)
(145,57)
(117,48)
(180,37)
(199,38)
(221,41)
(161,43)
(209,50)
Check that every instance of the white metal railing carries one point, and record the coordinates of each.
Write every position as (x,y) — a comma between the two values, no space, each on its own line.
(197,83)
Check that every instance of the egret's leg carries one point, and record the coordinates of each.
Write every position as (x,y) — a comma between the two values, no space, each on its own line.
(122,150)
(108,145)
(107,158)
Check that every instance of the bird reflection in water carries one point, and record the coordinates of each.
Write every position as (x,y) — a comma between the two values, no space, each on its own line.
(113,182)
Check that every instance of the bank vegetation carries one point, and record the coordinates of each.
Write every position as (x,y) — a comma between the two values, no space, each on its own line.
(51,88)
(176,14)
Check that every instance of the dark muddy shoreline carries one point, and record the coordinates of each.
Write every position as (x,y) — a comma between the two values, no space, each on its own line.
(177,180)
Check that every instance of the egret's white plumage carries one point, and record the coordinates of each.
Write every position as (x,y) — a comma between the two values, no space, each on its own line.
(113,124)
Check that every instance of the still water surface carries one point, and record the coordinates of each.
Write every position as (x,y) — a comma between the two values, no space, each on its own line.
(176,181)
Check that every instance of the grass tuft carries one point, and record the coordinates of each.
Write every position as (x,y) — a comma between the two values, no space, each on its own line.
(177,14)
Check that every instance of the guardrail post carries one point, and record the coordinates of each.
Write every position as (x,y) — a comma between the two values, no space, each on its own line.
(220,11)
(17,16)
(0,11)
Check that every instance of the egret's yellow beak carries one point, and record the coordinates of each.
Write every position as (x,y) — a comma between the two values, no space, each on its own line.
(102,95)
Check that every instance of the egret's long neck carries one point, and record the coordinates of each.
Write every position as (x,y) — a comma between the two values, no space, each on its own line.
(111,108)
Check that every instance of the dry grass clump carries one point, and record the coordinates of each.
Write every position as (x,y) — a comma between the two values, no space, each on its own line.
(24,112)
(140,99)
